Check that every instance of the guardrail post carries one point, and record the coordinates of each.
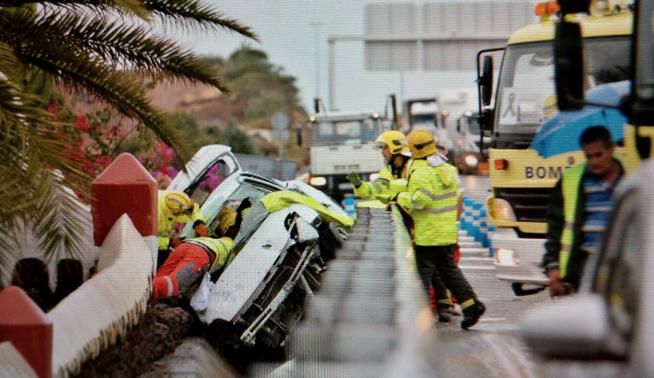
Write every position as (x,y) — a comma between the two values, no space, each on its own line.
(25,325)
(124,187)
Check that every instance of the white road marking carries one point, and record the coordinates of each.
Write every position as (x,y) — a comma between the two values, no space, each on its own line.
(477,267)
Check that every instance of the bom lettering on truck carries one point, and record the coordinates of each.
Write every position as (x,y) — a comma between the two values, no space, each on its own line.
(542,172)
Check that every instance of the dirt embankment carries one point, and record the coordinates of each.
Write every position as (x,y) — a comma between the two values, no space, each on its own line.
(162,329)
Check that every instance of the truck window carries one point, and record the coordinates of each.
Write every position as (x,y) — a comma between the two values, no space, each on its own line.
(345,132)
(526,95)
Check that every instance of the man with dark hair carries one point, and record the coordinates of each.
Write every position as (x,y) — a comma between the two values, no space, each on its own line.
(579,211)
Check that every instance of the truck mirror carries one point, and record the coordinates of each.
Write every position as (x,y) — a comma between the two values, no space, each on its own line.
(568,66)
(458,125)
(486,80)
(316,105)
(298,136)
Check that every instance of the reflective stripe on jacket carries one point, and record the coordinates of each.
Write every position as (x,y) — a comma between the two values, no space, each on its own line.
(570,189)
(431,200)
(221,247)
(166,219)
(386,183)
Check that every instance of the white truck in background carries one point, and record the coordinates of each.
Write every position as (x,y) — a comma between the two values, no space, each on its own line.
(426,113)
(460,123)
(344,142)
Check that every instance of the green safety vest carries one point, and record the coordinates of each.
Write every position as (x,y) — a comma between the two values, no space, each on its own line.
(221,247)
(570,188)
(432,200)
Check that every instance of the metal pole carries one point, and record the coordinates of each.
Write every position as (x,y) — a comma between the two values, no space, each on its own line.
(316,31)
(332,74)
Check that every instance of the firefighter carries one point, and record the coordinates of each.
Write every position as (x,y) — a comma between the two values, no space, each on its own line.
(393,147)
(392,180)
(192,258)
(432,199)
(579,211)
(173,207)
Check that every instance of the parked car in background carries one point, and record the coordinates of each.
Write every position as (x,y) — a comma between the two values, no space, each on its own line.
(612,318)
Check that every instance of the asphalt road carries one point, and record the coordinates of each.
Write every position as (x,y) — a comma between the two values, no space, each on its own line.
(493,347)
(476,187)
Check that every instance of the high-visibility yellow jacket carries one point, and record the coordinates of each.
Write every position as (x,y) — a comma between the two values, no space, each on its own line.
(386,183)
(166,219)
(221,247)
(431,200)
(278,200)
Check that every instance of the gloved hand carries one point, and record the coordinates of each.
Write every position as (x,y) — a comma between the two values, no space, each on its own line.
(354,178)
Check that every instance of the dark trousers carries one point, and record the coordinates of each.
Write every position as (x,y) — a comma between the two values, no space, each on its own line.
(437,268)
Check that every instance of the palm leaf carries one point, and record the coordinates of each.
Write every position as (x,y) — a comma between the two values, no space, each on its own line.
(78,71)
(123,6)
(192,12)
(127,46)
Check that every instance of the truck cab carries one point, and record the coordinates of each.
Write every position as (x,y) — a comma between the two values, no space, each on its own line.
(521,180)
(343,142)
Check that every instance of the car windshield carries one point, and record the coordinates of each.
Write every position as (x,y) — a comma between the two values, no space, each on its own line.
(526,95)
(211,209)
(473,125)
(345,132)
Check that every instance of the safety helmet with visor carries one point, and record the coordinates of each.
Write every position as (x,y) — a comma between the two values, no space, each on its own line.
(179,203)
(395,141)
(422,143)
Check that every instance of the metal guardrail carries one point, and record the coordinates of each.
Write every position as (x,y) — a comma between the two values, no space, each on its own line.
(370,316)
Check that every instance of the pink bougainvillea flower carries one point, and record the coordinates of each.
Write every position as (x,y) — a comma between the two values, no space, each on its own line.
(82,123)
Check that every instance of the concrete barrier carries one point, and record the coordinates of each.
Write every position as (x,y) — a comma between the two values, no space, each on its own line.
(13,363)
(25,325)
(94,316)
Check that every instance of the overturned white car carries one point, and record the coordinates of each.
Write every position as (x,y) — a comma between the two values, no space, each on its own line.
(278,254)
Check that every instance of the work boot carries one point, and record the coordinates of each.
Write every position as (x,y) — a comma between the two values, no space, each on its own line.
(472,314)
(444,315)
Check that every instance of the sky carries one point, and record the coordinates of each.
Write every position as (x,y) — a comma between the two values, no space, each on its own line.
(288,30)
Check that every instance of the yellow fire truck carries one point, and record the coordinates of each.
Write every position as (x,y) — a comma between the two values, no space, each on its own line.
(521,180)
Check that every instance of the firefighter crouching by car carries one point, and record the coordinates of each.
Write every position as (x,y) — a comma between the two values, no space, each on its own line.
(393,147)
(579,211)
(432,199)
(192,258)
(173,207)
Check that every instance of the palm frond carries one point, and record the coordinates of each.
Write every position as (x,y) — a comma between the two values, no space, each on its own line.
(76,70)
(192,12)
(128,46)
(134,7)
(59,221)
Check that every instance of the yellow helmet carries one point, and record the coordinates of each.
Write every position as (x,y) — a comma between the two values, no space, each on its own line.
(395,140)
(178,202)
(226,219)
(421,143)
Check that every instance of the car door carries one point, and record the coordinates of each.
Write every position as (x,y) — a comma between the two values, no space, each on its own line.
(209,168)
(618,275)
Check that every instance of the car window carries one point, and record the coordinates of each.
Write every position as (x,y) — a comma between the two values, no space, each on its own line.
(245,190)
(619,275)
(212,178)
